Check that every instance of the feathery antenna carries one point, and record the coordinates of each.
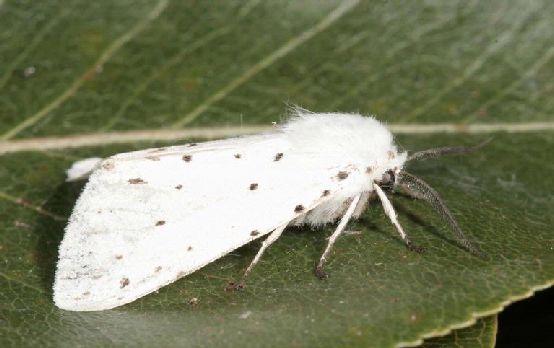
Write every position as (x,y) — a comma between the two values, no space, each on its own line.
(421,189)
(441,151)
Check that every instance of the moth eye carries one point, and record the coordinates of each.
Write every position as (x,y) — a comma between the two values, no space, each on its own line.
(388,180)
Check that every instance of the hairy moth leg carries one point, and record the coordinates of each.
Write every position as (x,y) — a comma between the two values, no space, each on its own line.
(265,244)
(389,211)
(320,273)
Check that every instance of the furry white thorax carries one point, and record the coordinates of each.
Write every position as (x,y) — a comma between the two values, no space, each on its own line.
(360,145)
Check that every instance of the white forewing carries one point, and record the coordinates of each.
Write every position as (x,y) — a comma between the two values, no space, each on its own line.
(149,217)
(82,169)
(146,219)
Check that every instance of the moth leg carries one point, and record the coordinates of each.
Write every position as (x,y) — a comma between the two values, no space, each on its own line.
(265,244)
(389,211)
(320,273)
(362,204)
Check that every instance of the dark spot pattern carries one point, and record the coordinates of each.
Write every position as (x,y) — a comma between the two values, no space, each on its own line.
(342,175)
(136,181)
(192,144)
(325,193)
(157,269)
(253,186)
(118,257)
(178,187)
(86,293)
(369,170)
(160,223)
(187,158)
(189,248)
(124,282)
(299,208)
(108,166)
(254,233)
(238,155)
(278,156)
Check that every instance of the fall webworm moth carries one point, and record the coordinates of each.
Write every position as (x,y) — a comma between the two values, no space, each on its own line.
(150,217)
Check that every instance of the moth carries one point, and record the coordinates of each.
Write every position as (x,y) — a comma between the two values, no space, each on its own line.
(147,218)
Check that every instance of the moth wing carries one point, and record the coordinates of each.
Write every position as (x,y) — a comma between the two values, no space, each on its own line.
(148,218)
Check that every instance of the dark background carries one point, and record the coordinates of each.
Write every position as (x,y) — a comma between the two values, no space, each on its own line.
(528,323)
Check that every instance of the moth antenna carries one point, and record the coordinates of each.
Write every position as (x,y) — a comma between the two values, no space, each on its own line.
(424,191)
(441,151)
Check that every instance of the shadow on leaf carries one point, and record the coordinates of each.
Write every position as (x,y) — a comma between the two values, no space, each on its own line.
(51,231)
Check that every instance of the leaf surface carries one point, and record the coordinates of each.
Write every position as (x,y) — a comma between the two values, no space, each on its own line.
(480,335)
(68,68)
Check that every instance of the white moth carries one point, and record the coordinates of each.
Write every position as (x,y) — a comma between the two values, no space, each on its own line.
(148,218)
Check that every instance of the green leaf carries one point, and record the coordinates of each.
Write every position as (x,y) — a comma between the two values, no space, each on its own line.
(480,335)
(67,68)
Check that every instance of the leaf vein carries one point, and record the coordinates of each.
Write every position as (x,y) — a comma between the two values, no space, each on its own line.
(267,61)
(76,85)
(96,139)
(26,204)
(20,282)
(472,68)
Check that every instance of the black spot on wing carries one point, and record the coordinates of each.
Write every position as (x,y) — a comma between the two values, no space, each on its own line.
(278,156)
(342,175)
(136,181)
